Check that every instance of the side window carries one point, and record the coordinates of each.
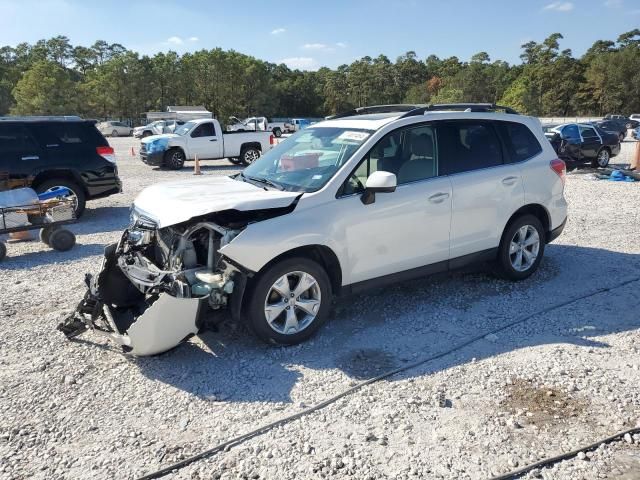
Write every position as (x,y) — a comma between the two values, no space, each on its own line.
(204,130)
(571,132)
(466,146)
(588,133)
(14,138)
(521,142)
(78,135)
(409,153)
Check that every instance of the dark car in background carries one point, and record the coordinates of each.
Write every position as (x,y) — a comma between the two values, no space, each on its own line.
(628,122)
(583,143)
(54,152)
(617,127)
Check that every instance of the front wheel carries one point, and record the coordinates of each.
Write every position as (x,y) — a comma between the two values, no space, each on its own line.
(114,133)
(249,155)
(277,132)
(174,159)
(602,160)
(289,302)
(521,248)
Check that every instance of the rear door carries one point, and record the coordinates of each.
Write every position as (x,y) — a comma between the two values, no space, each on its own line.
(591,142)
(204,142)
(486,189)
(571,143)
(20,154)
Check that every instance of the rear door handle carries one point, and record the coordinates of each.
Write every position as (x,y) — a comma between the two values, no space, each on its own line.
(438,197)
(31,157)
(509,180)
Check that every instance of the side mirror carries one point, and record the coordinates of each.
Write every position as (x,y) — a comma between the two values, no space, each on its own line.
(378,182)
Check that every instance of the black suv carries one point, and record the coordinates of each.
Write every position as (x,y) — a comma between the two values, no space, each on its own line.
(54,152)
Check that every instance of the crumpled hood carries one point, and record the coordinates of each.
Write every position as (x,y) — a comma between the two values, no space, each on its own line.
(152,138)
(169,203)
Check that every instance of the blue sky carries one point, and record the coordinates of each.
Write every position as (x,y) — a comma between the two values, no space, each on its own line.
(309,34)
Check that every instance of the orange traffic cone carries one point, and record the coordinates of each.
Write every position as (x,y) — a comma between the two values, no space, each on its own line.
(133,153)
(196,166)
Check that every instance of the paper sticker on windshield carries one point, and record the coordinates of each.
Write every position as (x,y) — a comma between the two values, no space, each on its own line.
(353,136)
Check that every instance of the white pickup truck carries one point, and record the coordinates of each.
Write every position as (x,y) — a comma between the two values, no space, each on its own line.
(203,138)
(253,124)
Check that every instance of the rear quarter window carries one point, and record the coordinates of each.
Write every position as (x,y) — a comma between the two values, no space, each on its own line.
(520,141)
(78,135)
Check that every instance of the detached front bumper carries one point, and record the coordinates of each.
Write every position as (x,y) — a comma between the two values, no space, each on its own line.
(142,325)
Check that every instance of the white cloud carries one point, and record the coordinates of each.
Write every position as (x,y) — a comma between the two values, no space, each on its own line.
(301,63)
(613,3)
(193,39)
(559,6)
(278,31)
(315,46)
(175,41)
(341,45)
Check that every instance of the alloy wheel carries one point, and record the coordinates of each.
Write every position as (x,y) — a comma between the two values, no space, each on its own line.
(524,248)
(70,196)
(251,156)
(292,303)
(603,158)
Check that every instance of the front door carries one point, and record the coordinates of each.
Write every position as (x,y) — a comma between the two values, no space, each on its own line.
(401,230)
(20,156)
(204,142)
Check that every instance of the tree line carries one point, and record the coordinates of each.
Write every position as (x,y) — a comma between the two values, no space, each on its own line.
(53,77)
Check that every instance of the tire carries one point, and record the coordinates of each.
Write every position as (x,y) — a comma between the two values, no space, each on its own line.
(114,133)
(62,240)
(174,159)
(45,234)
(249,155)
(146,134)
(602,160)
(621,137)
(3,251)
(262,293)
(277,132)
(234,160)
(77,192)
(508,258)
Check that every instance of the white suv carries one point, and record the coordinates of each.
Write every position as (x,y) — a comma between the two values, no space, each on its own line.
(378,195)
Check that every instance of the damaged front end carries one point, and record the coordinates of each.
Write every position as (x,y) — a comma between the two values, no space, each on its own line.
(155,283)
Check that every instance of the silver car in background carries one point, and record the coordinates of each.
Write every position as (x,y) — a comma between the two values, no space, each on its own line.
(114,129)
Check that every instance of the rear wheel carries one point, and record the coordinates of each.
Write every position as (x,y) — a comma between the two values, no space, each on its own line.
(174,159)
(62,239)
(521,248)
(114,133)
(249,155)
(277,132)
(146,134)
(77,195)
(602,160)
(290,301)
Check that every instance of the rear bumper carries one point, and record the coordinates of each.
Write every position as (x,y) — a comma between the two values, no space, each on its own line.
(102,183)
(556,232)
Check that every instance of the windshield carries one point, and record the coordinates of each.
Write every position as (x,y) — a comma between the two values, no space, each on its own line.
(184,129)
(306,161)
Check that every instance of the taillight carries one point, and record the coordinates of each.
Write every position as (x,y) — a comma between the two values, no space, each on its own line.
(560,168)
(272,140)
(108,153)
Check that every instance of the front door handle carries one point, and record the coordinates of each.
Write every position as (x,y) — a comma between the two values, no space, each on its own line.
(509,180)
(31,157)
(213,140)
(438,197)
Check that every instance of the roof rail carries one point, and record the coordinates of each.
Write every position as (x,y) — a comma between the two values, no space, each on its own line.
(397,108)
(40,118)
(469,107)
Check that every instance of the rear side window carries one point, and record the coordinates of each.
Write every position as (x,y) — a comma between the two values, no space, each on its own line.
(588,133)
(467,146)
(15,138)
(78,135)
(522,144)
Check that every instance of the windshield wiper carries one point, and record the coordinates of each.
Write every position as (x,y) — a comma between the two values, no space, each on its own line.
(264,181)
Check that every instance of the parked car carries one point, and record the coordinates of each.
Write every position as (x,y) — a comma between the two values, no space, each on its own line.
(582,143)
(627,121)
(55,152)
(360,201)
(114,129)
(253,124)
(157,128)
(617,127)
(205,139)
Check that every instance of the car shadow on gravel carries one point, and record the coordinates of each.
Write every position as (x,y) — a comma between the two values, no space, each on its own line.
(102,220)
(381,330)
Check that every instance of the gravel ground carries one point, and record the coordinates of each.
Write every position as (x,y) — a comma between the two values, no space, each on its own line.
(560,380)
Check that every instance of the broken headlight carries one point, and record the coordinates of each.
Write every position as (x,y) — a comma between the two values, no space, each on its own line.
(137,220)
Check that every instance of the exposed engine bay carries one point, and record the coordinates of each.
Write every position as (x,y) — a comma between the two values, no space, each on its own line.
(154,284)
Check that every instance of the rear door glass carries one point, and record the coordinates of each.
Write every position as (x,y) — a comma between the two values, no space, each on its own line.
(466,146)
(70,135)
(588,134)
(521,143)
